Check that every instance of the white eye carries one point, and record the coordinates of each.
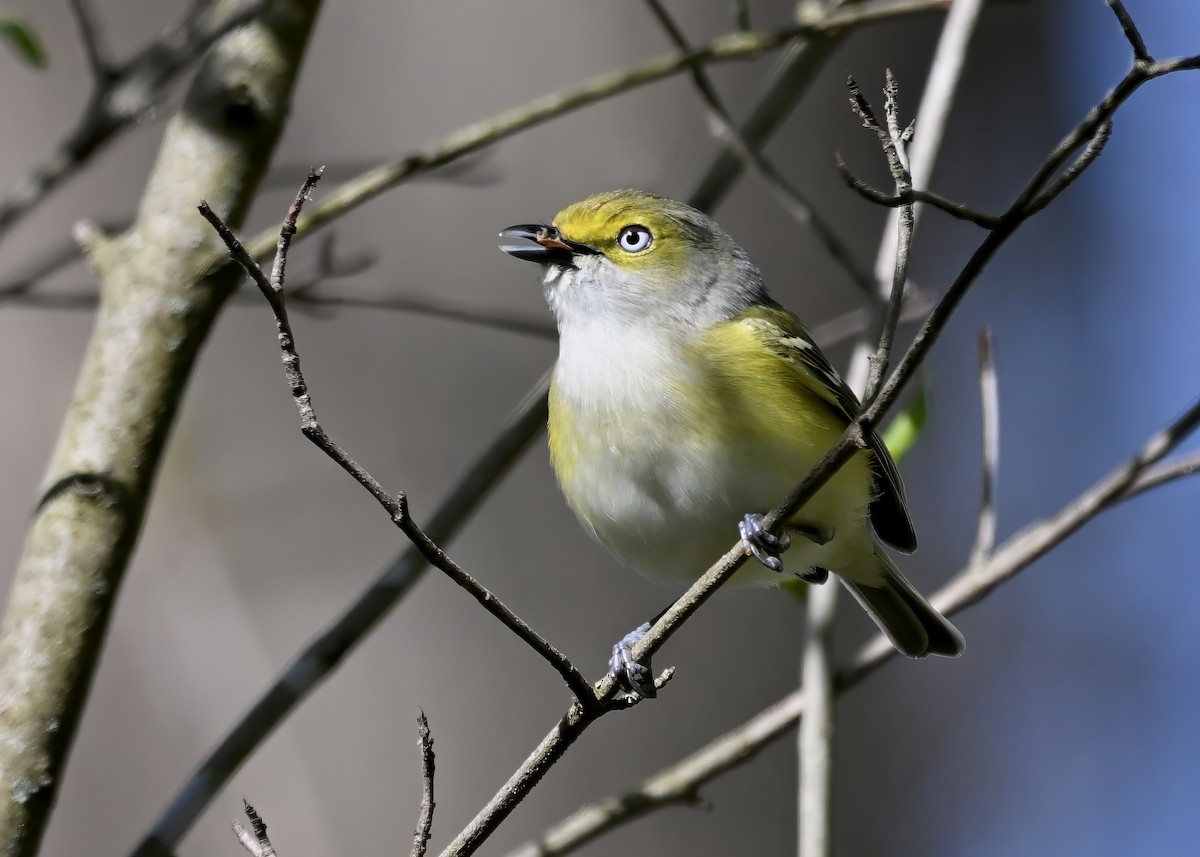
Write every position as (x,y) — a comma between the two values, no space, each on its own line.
(634,239)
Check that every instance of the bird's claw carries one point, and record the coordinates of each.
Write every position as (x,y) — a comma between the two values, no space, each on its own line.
(764,546)
(636,679)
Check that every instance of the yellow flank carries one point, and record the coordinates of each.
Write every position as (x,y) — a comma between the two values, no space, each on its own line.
(741,395)
(762,400)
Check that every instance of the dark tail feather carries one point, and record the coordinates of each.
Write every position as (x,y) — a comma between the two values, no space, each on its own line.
(903,614)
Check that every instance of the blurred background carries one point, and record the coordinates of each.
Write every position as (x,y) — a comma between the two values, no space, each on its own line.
(1069,726)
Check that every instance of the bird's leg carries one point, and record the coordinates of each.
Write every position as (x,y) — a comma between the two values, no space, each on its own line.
(764,546)
(636,679)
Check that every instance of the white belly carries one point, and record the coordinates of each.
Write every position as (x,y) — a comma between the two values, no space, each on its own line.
(664,492)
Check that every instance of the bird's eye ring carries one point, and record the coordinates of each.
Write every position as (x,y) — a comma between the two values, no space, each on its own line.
(634,239)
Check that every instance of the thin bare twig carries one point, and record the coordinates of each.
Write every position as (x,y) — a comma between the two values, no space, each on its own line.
(326,652)
(894,142)
(89,36)
(1092,151)
(989,395)
(395,505)
(879,197)
(255,841)
(425,816)
(1140,54)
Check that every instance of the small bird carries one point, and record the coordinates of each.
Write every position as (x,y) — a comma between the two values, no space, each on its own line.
(686,402)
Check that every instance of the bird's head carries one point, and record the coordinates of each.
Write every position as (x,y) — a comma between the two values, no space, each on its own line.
(629,257)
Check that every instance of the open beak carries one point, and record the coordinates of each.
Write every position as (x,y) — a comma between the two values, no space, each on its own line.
(548,247)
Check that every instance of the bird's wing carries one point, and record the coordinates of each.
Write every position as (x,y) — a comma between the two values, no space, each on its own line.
(788,338)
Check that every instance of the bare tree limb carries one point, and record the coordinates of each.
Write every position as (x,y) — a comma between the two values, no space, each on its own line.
(989,395)
(395,505)
(425,816)
(158,302)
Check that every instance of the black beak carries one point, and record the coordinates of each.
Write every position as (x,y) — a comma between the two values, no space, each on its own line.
(548,247)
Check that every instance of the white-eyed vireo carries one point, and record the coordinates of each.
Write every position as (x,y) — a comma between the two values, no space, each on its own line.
(685,400)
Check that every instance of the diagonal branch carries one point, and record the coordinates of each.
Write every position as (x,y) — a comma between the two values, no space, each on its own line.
(395,505)
(425,816)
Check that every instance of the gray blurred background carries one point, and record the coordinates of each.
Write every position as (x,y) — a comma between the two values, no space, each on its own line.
(1068,728)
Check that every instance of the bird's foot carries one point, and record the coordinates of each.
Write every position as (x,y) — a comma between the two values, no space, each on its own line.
(764,546)
(636,679)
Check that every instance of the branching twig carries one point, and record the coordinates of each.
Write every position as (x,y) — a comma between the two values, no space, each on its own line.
(425,816)
(989,395)
(788,195)
(964,212)
(894,142)
(89,36)
(255,841)
(395,505)
(1140,54)
(1092,151)
(322,655)
(122,95)
(954,209)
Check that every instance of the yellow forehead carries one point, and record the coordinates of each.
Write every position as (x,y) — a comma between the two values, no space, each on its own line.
(599,219)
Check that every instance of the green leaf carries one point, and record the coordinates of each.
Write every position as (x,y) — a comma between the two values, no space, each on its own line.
(23,41)
(906,427)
